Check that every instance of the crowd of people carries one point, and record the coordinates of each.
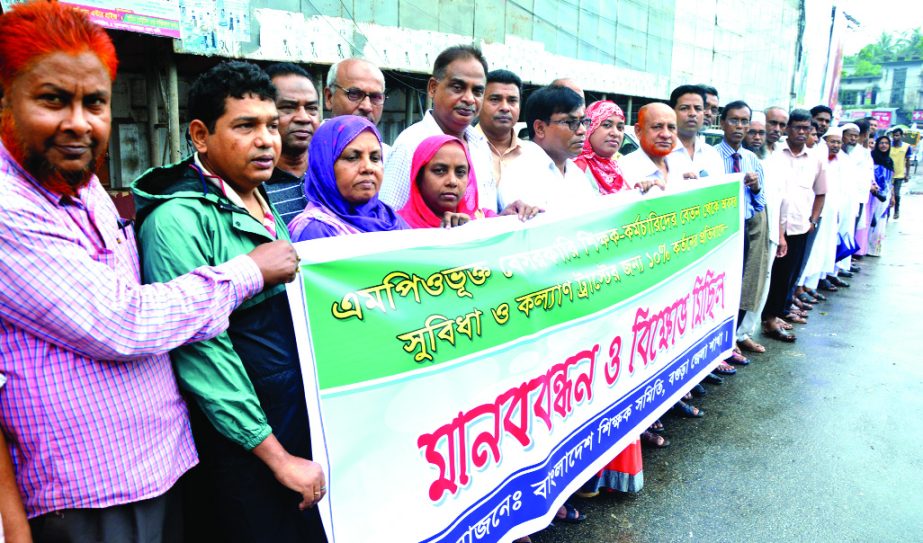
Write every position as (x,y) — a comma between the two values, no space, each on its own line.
(151,388)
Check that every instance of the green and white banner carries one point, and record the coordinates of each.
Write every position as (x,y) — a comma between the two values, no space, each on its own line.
(463,383)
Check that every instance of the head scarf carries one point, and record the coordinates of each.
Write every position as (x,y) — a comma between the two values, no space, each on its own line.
(415,211)
(882,159)
(320,186)
(606,171)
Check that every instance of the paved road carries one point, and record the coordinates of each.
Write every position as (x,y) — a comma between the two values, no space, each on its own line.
(817,441)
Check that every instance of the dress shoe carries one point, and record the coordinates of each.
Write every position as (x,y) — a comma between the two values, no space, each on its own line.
(845,273)
(855,269)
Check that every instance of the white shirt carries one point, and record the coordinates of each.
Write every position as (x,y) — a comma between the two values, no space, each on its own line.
(395,187)
(863,173)
(705,159)
(774,193)
(637,166)
(536,180)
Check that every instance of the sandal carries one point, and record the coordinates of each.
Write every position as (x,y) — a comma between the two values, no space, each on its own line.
(656,427)
(783,325)
(724,369)
(713,379)
(571,515)
(816,295)
(780,334)
(698,391)
(751,346)
(806,298)
(654,440)
(796,319)
(738,359)
(525,539)
(802,305)
(687,410)
(687,397)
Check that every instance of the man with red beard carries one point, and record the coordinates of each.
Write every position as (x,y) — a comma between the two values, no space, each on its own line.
(656,130)
(97,430)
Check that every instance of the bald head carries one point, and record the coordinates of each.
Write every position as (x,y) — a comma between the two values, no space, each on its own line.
(362,79)
(569,83)
(656,129)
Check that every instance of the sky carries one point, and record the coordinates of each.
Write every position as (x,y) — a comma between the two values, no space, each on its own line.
(879,16)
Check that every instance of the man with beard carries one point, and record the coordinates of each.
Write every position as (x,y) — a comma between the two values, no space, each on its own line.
(656,131)
(546,176)
(457,89)
(246,396)
(498,118)
(776,121)
(755,138)
(849,205)
(299,117)
(735,121)
(821,261)
(688,101)
(806,186)
(96,426)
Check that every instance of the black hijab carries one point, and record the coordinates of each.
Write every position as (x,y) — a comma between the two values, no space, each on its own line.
(880,158)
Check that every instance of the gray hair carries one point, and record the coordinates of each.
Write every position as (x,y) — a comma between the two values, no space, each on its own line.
(334,68)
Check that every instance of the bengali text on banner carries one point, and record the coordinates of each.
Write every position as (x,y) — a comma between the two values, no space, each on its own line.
(463,383)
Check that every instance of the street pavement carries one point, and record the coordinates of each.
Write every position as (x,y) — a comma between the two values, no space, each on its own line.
(817,441)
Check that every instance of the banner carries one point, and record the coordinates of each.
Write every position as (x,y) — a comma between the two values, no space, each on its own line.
(463,383)
(156,17)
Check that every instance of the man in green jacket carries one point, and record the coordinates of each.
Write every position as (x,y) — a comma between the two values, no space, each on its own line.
(244,386)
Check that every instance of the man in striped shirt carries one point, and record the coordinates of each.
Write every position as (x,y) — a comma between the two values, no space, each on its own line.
(299,117)
(735,121)
(96,427)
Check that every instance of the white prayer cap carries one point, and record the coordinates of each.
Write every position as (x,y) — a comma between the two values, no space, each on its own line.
(834,131)
(850,126)
(758,117)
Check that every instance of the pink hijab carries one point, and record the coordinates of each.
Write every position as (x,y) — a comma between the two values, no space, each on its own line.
(606,171)
(415,211)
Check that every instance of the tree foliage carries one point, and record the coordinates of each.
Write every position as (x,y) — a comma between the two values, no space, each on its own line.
(867,62)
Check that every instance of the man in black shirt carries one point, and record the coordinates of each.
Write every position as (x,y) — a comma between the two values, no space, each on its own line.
(299,117)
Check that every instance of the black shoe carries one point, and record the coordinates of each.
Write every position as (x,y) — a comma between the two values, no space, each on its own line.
(826,284)
(837,282)
(845,273)
(855,269)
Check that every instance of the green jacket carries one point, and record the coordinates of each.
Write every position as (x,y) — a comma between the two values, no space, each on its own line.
(183,223)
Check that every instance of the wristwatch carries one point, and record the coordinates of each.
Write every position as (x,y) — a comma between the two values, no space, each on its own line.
(815,222)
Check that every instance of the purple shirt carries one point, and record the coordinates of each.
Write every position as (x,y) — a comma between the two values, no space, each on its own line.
(91,408)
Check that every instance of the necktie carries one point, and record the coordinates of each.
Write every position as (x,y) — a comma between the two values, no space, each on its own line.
(736,168)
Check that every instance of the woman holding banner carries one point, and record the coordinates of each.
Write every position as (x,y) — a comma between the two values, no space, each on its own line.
(444,192)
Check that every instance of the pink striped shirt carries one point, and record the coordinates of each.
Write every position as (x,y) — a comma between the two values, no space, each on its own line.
(91,408)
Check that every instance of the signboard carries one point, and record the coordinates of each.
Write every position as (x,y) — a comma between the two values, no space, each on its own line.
(156,17)
(461,384)
(918,115)
(884,119)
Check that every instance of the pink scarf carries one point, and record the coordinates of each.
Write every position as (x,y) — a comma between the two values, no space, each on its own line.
(415,211)
(606,171)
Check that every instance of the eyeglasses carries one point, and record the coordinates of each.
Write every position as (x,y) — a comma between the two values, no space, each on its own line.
(358,95)
(756,132)
(738,122)
(574,124)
